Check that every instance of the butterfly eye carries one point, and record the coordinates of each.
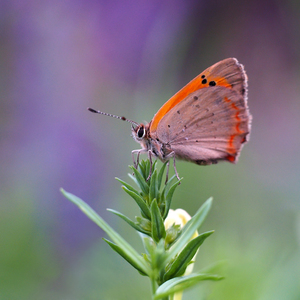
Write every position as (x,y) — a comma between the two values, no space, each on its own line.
(141,132)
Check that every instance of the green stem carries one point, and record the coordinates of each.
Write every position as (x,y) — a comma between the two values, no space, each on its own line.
(153,285)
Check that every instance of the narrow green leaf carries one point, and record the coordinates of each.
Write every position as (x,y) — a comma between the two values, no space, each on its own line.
(168,198)
(139,201)
(159,256)
(181,283)
(185,256)
(125,256)
(158,228)
(130,252)
(166,189)
(199,216)
(147,169)
(153,191)
(167,186)
(141,181)
(160,175)
(129,187)
(189,229)
(154,165)
(131,176)
(149,245)
(128,221)
(142,168)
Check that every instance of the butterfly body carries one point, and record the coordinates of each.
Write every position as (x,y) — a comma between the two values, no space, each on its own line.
(157,147)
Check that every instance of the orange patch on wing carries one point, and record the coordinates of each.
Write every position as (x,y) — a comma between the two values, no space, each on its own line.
(234,106)
(237,116)
(230,158)
(191,87)
(237,128)
(230,143)
(231,148)
(244,140)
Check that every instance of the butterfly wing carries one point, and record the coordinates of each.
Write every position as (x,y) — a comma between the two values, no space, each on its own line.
(227,73)
(211,124)
(208,120)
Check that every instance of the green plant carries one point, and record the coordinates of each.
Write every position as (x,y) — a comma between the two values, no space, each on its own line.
(170,238)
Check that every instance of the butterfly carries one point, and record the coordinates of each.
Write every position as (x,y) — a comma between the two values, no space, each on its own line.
(207,121)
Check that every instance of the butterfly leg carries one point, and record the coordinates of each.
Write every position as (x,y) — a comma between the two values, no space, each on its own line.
(150,153)
(169,156)
(174,164)
(138,152)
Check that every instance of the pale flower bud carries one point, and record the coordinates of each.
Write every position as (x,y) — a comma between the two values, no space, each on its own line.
(180,217)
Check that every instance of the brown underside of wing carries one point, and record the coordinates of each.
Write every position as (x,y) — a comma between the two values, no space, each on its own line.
(211,124)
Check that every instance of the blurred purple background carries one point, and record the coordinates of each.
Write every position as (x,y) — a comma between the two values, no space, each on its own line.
(127,58)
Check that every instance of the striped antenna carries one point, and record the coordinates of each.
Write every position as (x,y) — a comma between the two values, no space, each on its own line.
(110,115)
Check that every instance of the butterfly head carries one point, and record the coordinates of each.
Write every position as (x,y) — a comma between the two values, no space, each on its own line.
(140,133)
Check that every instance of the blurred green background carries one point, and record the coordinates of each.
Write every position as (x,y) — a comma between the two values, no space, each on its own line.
(127,58)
